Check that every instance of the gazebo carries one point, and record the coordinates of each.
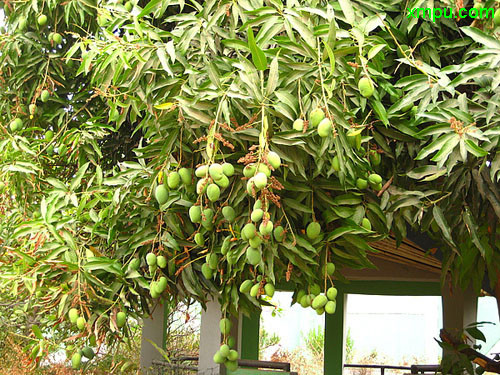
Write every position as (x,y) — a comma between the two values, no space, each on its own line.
(405,270)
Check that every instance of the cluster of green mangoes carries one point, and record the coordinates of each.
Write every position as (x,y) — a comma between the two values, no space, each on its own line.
(312,297)
(156,287)
(80,322)
(254,289)
(212,178)
(172,181)
(318,121)
(226,355)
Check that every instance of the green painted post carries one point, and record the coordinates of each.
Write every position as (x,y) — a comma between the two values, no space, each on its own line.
(250,337)
(333,356)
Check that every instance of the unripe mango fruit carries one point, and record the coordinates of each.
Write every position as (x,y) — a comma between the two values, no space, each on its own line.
(325,128)
(161,261)
(365,86)
(44,96)
(199,239)
(331,293)
(279,233)
(207,272)
(375,158)
(121,317)
(249,170)
(254,290)
(330,307)
(73,315)
(246,286)
(195,214)
(257,215)
(218,358)
(88,352)
(319,301)
(16,124)
(298,125)
(225,326)
(253,256)
(213,192)
(255,242)
(80,323)
(57,38)
(228,169)
(161,194)
(231,365)
(315,289)
(76,360)
(185,174)
(313,230)
(151,259)
(330,269)
(42,20)
(249,231)
(224,350)
(267,228)
(264,169)
(228,213)
(223,182)
(269,289)
(260,180)
(361,183)
(315,117)
(374,179)
(274,159)
(233,355)
(201,171)
(173,180)
(216,171)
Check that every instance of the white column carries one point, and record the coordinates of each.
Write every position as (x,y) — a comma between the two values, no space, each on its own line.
(459,308)
(152,330)
(210,339)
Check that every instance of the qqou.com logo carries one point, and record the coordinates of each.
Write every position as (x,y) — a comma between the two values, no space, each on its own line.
(435,13)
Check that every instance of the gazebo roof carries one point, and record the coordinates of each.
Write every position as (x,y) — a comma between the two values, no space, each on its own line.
(408,253)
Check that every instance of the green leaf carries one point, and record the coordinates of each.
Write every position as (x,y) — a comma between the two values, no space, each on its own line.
(348,11)
(258,57)
(443,225)
(475,149)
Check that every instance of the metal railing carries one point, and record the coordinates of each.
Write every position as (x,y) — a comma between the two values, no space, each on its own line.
(414,369)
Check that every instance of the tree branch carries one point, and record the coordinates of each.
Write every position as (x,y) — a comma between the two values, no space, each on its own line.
(480,359)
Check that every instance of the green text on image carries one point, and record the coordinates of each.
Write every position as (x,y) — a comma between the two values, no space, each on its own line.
(436,13)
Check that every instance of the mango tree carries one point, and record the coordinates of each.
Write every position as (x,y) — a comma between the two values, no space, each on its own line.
(164,151)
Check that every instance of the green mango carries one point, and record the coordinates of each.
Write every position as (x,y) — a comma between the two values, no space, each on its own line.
(330,307)
(315,117)
(228,169)
(76,361)
(365,86)
(246,286)
(313,230)
(319,301)
(121,317)
(207,272)
(257,215)
(225,326)
(274,159)
(228,213)
(174,180)
(195,214)
(269,289)
(253,256)
(331,293)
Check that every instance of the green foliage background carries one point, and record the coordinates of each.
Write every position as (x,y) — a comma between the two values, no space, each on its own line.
(137,95)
